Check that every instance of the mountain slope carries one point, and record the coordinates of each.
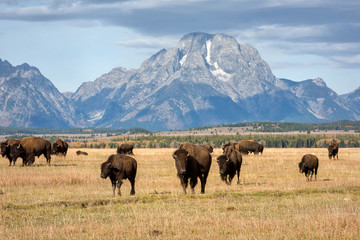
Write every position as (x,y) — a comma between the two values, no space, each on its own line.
(28,99)
(207,79)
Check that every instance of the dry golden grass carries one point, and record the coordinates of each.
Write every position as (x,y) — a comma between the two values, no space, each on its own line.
(69,200)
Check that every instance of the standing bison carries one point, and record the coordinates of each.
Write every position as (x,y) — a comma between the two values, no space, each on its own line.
(245,147)
(35,146)
(192,162)
(5,149)
(60,146)
(229,164)
(125,149)
(119,167)
(309,163)
(333,150)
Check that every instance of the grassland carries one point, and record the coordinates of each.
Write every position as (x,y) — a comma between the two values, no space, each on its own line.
(69,200)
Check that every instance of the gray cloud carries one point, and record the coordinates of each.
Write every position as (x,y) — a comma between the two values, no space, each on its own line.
(327,28)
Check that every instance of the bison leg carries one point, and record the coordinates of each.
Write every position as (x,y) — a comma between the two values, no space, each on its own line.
(30,159)
(132,181)
(184,183)
(193,182)
(119,183)
(238,176)
(203,182)
(113,183)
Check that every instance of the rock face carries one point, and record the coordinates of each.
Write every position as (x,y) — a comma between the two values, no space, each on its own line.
(206,79)
(28,99)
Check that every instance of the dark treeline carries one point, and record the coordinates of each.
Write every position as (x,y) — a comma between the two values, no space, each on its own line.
(271,141)
(344,125)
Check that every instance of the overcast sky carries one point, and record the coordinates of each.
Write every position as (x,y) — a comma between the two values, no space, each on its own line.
(74,41)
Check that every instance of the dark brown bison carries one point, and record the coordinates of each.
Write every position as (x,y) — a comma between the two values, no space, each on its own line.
(16,151)
(60,146)
(81,153)
(35,147)
(5,150)
(192,162)
(120,167)
(229,164)
(125,149)
(333,150)
(309,163)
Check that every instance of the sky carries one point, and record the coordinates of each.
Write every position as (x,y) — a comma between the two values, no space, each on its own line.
(75,41)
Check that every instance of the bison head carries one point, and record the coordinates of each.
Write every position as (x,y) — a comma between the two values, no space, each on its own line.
(16,151)
(224,166)
(181,157)
(105,169)
(56,148)
(303,168)
(4,149)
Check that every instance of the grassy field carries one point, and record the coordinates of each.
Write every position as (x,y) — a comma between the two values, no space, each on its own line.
(69,200)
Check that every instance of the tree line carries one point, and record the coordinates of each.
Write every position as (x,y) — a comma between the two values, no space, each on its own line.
(271,141)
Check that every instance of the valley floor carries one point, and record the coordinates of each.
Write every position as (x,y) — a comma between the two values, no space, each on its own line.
(69,200)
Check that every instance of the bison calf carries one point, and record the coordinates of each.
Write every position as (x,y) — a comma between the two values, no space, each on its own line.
(119,167)
(309,163)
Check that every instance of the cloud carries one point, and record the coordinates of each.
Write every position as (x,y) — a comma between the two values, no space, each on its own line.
(327,28)
(154,43)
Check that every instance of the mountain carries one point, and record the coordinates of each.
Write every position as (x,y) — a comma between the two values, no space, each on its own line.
(206,79)
(28,99)
(352,100)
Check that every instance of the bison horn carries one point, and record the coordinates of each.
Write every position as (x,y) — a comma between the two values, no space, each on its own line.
(174,156)
(18,146)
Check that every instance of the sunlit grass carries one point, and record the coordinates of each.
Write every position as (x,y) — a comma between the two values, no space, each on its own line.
(69,200)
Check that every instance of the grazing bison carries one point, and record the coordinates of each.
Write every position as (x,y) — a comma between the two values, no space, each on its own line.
(192,162)
(120,167)
(125,149)
(60,146)
(333,150)
(245,147)
(5,149)
(309,163)
(229,164)
(35,147)
(81,153)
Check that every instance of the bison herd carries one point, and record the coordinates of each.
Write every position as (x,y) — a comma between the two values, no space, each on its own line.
(28,148)
(191,161)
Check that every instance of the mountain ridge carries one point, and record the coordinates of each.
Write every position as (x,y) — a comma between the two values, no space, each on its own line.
(207,79)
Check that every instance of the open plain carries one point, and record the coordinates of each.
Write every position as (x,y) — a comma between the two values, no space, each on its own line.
(69,200)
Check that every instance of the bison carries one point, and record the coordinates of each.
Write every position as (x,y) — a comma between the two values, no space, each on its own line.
(192,162)
(207,147)
(245,146)
(60,146)
(17,150)
(120,167)
(81,153)
(229,164)
(5,149)
(125,149)
(333,150)
(309,163)
(35,147)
